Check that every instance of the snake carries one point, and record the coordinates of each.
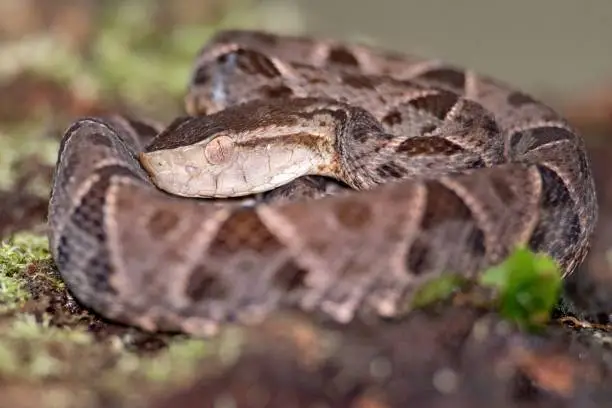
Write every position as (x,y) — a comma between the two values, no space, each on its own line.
(312,173)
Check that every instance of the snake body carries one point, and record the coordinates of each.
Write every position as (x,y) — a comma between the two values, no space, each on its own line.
(429,169)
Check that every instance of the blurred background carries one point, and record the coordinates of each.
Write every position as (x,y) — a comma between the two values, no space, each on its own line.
(60,59)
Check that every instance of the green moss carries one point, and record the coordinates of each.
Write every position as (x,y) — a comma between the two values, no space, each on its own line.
(36,352)
(15,255)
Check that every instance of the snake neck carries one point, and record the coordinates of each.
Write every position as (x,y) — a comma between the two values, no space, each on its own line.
(366,154)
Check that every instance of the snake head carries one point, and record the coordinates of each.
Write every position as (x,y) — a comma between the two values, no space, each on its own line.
(217,156)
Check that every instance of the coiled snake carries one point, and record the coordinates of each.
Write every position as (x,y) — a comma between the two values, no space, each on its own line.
(370,172)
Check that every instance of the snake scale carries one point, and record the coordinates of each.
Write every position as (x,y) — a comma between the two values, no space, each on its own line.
(414,168)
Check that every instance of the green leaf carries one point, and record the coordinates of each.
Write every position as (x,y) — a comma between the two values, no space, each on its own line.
(528,284)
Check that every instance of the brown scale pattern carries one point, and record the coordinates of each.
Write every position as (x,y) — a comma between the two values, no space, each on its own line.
(243,230)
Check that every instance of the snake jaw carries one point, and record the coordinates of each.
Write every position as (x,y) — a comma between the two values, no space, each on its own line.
(189,171)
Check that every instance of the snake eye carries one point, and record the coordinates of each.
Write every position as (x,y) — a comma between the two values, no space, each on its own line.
(219,150)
